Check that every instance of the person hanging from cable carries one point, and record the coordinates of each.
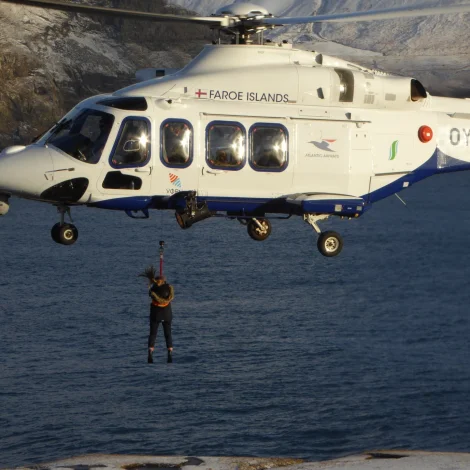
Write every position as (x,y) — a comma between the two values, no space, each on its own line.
(161,294)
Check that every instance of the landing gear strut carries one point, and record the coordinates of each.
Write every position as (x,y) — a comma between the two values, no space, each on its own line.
(62,233)
(329,243)
(259,229)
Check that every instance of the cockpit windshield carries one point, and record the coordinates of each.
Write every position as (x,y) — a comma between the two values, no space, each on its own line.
(83,136)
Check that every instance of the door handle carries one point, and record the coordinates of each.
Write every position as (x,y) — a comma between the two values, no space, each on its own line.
(214,172)
(50,173)
(140,170)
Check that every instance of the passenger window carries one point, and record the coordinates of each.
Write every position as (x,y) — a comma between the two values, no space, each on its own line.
(133,146)
(268,147)
(177,143)
(226,145)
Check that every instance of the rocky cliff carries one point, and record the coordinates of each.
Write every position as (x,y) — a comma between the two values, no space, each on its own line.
(51,60)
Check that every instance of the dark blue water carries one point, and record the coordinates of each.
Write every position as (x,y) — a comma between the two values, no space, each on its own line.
(278,351)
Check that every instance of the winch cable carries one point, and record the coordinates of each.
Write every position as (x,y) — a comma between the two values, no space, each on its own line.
(162,249)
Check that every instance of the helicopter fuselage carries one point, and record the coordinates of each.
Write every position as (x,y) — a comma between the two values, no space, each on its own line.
(246,131)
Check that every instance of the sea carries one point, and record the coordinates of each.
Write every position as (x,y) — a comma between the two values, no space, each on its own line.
(279,351)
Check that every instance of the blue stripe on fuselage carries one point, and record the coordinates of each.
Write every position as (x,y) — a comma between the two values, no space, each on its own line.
(438,163)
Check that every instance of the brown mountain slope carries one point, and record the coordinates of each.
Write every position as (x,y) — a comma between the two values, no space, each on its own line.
(51,60)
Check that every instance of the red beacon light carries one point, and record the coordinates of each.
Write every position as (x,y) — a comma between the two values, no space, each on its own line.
(425,134)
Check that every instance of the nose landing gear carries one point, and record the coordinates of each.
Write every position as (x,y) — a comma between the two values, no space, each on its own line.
(61,232)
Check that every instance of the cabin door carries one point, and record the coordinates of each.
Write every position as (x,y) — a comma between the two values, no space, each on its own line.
(127,171)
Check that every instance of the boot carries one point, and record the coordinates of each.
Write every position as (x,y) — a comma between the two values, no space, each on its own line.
(170,357)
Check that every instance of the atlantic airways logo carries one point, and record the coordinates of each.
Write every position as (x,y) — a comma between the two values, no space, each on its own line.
(324,144)
(175,180)
(393,150)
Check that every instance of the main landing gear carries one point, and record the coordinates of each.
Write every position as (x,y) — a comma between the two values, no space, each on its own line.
(259,229)
(329,243)
(65,234)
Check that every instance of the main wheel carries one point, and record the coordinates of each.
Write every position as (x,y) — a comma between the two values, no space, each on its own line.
(55,232)
(66,234)
(259,233)
(330,244)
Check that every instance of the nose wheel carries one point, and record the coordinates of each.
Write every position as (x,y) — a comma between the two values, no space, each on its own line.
(64,233)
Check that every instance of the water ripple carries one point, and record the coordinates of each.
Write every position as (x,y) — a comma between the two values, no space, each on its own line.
(278,351)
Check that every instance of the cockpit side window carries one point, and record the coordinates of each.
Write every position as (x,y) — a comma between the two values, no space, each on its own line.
(269,144)
(133,144)
(84,136)
(176,143)
(225,145)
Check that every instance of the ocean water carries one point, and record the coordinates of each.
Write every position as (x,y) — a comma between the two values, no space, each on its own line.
(278,350)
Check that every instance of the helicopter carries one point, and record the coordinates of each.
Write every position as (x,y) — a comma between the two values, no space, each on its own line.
(252,130)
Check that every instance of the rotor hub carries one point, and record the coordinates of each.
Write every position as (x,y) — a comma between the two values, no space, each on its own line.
(245,19)
(243,11)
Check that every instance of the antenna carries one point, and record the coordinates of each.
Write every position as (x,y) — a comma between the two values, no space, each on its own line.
(404,203)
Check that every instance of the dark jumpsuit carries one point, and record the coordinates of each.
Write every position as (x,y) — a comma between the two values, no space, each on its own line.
(158,315)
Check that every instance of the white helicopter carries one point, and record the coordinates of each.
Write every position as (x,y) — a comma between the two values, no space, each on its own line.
(246,131)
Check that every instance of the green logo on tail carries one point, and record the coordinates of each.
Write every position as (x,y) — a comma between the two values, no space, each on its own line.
(393,150)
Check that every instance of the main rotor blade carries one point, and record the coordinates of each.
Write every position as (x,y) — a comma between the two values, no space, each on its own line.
(80,8)
(388,14)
